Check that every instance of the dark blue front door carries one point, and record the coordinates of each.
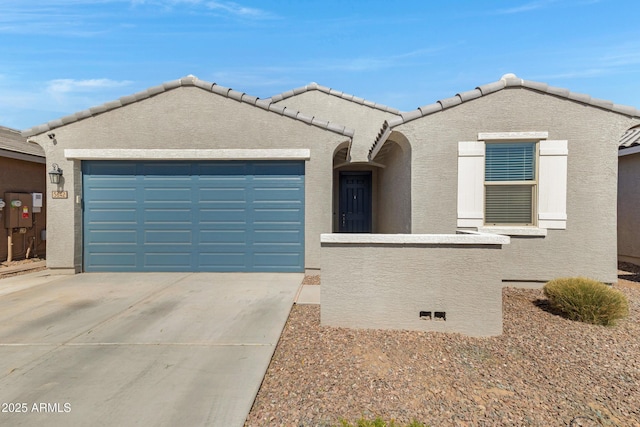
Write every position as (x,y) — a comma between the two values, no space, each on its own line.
(193,216)
(355,202)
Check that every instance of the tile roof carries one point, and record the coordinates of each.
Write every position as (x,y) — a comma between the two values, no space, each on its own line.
(508,80)
(265,104)
(11,140)
(328,90)
(631,138)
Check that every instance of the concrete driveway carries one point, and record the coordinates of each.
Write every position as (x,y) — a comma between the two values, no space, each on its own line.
(148,349)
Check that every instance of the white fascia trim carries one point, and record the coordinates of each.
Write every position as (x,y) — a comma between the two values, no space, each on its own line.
(415,239)
(188,154)
(627,151)
(483,136)
(514,231)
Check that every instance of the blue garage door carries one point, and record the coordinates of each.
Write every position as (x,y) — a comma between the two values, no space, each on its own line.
(193,216)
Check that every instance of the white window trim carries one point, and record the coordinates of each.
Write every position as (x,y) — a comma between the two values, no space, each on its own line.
(551,201)
(188,154)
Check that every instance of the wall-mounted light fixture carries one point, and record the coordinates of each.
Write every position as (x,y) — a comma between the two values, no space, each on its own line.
(54,174)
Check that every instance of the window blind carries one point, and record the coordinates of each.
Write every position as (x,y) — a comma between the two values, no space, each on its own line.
(508,204)
(510,162)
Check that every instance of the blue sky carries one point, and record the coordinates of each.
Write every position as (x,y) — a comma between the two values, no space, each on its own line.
(62,56)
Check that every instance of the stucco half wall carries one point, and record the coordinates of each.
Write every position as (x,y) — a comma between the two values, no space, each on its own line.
(441,283)
(198,124)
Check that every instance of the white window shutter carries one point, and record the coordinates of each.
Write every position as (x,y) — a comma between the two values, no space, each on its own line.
(470,183)
(552,185)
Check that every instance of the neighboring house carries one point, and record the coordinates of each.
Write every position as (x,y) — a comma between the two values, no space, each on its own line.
(629,197)
(22,170)
(192,176)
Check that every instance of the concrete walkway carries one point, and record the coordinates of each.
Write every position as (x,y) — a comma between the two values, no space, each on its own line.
(159,349)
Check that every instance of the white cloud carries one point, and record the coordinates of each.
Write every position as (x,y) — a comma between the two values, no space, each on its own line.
(61,86)
(527,7)
(238,10)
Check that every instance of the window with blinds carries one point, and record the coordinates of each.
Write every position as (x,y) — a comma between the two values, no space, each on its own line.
(510,183)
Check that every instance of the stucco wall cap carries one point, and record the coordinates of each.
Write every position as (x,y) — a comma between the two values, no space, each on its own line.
(414,239)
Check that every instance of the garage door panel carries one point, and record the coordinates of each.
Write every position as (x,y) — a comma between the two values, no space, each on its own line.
(222,261)
(276,261)
(277,238)
(152,237)
(194,216)
(223,215)
(168,216)
(216,236)
(113,216)
(122,261)
(275,215)
(168,261)
(118,195)
(111,236)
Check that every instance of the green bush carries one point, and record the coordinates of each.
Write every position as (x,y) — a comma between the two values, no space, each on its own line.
(587,300)
(378,422)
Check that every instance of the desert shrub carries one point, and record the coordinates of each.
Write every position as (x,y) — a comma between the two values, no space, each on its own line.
(587,300)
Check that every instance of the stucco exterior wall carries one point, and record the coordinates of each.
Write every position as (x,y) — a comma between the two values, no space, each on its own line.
(588,245)
(366,121)
(386,286)
(21,176)
(394,201)
(629,208)
(185,118)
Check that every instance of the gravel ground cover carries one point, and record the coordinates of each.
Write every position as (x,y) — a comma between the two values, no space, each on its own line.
(543,371)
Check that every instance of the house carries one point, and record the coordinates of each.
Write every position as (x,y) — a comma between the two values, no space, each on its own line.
(511,183)
(22,173)
(629,197)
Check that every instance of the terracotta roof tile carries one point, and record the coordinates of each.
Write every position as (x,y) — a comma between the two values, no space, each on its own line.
(266,104)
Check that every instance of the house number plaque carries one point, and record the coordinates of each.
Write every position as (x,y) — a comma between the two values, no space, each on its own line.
(59,194)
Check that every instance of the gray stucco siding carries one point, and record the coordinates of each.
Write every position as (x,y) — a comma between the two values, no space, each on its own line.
(365,120)
(186,118)
(588,245)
